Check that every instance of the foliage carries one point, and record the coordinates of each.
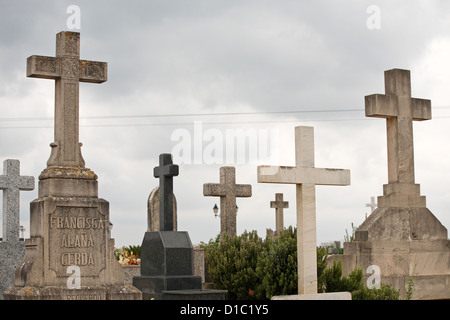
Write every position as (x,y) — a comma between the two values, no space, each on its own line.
(128,255)
(385,292)
(333,281)
(232,264)
(411,284)
(350,238)
(213,243)
(277,266)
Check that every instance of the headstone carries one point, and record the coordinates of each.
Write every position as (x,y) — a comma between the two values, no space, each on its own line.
(153,211)
(12,249)
(279,206)
(227,190)
(167,256)
(69,254)
(401,236)
(305,176)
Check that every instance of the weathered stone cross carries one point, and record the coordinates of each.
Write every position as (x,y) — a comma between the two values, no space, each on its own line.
(227,190)
(11,182)
(279,205)
(67,70)
(400,110)
(305,176)
(165,172)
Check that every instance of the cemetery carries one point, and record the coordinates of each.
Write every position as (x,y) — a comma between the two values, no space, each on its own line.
(70,253)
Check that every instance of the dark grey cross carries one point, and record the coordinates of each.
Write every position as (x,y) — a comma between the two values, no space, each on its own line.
(165,172)
(68,71)
(11,182)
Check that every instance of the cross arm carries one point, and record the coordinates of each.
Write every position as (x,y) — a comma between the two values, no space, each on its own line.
(43,67)
(294,175)
(421,109)
(93,71)
(214,190)
(243,190)
(26,183)
(380,106)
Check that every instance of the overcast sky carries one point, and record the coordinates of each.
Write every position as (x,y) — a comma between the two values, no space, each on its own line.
(204,69)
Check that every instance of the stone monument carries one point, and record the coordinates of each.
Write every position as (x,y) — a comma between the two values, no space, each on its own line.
(153,211)
(279,205)
(305,176)
(227,190)
(402,237)
(12,249)
(70,252)
(167,262)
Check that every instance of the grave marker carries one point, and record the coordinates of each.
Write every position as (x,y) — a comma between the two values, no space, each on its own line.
(305,176)
(279,206)
(227,190)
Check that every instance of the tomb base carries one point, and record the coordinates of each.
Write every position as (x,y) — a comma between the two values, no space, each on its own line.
(406,244)
(69,247)
(317,296)
(167,269)
(63,293)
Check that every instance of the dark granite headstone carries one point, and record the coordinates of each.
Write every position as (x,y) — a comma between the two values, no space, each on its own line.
(167,256)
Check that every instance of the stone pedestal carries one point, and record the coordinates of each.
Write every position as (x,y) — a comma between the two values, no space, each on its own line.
(69,254)
(402,242)
(167,269)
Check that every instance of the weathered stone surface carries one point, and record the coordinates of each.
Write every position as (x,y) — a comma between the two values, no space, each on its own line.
(317,296)
(227,190)
(12,249)
(153,211)
(69,254)
(279,206)
(305,176)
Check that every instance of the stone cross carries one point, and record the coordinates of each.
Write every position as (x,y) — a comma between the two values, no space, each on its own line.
(372,205)
(165,172)
(11,182)
(400,110)
(305,176)
(279,205)
(67,70)
(227,190)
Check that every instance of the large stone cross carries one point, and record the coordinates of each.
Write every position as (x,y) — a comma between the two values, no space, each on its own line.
(400,110)
(279,206)
(227,190)
(11,182)
(165,172)
(305,176)
(67,70)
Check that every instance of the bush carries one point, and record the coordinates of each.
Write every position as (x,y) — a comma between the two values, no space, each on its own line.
(277,266)
(232,264)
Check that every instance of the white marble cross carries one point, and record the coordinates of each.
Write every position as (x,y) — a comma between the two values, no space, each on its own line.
(279,206)
(67,70)
(11,182)
(305,176)
(400,110)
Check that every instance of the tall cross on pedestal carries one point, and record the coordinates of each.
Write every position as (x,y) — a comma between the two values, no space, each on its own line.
(67,70)
(227,190)
(305,176)
(400,110)
(165,172)
(11,182)
(279,205)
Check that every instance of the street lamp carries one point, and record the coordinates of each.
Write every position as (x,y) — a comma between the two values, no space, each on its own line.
(216,210)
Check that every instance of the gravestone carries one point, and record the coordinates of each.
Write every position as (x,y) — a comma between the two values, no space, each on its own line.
(227,190)
(372,205)
(401,236)
(69,254)
(305,176)
(12,249)
(153,211)
(279,205)
(167,256)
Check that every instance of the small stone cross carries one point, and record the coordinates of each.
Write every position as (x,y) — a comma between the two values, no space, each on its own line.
(67,70)
(305,176)
(227,190)
(165,172)
(400,110)
(11,182)
(279,205)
